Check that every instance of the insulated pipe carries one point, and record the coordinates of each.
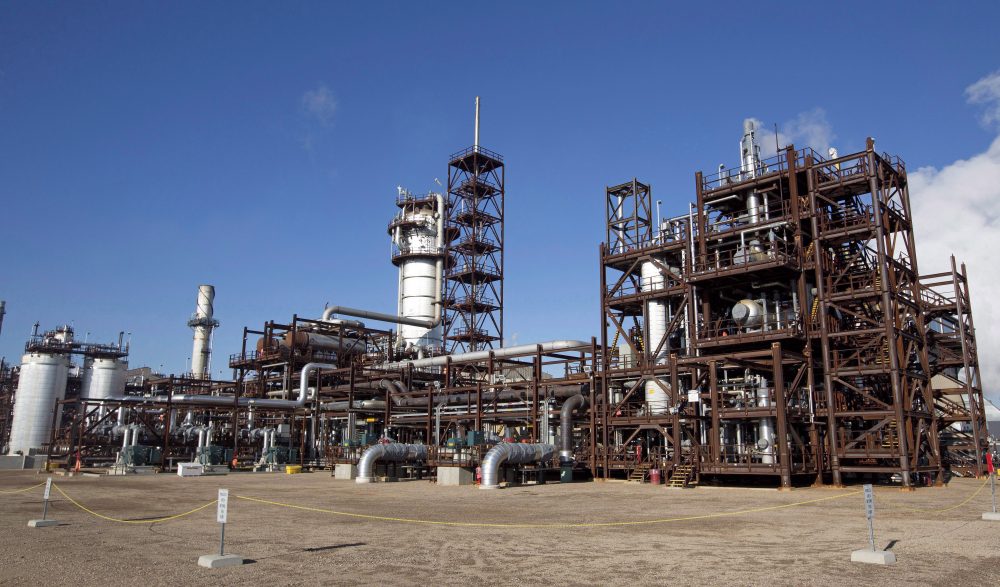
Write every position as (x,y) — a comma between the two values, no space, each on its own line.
(569,406)
(514,454)
(227,401)
(464,397)
(330,311)
(524,349)
(394,452)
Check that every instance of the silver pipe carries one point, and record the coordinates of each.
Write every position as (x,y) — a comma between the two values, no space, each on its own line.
(514,454)
(395,452)
(524,349)
(330,311)
(566,427)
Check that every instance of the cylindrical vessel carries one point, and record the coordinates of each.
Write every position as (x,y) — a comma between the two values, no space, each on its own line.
(203,322)
(104,378)
(41,384)
(418,291)
(416,234)
(657,399)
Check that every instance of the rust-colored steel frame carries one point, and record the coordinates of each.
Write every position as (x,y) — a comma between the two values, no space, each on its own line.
(848,368)
(474,279)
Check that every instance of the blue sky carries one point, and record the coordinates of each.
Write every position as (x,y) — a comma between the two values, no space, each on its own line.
(149,147)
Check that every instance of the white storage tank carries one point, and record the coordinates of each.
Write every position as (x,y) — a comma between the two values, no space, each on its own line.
(41,384)
(104,378)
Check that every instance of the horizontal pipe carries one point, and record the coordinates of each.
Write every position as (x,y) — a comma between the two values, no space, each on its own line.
(330,311)
(523,349)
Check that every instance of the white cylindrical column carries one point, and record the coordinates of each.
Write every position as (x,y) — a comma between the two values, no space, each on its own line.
(657,399)
(42,383)
(203,322)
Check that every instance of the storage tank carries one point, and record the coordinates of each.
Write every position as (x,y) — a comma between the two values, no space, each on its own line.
(42,382)
(104,378)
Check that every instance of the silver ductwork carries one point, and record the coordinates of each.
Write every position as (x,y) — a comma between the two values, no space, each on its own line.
(393,452)
(571,405)
(513,454)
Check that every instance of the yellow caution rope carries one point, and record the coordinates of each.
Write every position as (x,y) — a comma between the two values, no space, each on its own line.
(546,525)
(25,489)
(122,521)
(894,503)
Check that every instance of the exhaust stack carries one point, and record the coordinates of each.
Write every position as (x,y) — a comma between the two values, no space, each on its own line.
(203,323)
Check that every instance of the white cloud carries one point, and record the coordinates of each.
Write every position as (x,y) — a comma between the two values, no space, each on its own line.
(956,210)
(808,129)
(986,91)
(320,104)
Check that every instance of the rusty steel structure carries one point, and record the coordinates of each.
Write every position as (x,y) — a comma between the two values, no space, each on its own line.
(783,330)
(473,288)
(777,332)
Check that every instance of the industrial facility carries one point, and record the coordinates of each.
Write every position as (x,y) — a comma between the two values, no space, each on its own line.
(777,332)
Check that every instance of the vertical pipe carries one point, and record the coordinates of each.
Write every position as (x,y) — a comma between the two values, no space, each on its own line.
(476,143)
(203,323)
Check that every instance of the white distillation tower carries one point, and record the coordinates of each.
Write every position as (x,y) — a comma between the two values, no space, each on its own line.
(204,324)
(657,399)
(42,383)
(418,238)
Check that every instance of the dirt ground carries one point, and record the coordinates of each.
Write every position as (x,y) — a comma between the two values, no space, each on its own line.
(805,544)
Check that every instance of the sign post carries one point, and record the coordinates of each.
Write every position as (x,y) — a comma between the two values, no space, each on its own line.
(44,522)
(217,561)
(871,555)
(992,472)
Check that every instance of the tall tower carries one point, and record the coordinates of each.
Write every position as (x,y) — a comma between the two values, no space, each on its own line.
(474,279)
(203,323)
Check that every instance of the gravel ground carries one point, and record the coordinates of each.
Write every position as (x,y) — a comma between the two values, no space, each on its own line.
(807,544)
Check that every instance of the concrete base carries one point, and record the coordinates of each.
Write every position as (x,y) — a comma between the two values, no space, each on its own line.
(455,476)
(991,516)
(873,557)
(42,523)
(15,462)
(219,561)
(345,471)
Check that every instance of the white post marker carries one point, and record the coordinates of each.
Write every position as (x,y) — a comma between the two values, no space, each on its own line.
(218,561)
(991,471)
(872,555)
(45,509)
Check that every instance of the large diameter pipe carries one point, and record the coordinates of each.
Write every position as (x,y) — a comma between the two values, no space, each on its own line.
(571,405)
(330,311)
(524,349)
(224,401)
(394,452)
(513,454)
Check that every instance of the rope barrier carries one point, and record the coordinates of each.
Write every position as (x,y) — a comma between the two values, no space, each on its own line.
(123,521)
(25,489)
(935,510)
(894,507)
(549,525)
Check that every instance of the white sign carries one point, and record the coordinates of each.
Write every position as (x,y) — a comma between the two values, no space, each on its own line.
(869,502)
(48,488)
(220,515)
(694,396)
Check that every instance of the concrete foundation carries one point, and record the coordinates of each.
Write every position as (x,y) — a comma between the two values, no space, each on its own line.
(219,561)
(42,523)
(345,471)
(455,476)
(991,516)
(873,557)
(15,462)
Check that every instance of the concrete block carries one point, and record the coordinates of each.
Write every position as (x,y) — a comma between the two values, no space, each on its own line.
(190,469)
(873,557)
(455,476)
(219,561)
(991,516)
(345,471)
(42,523)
